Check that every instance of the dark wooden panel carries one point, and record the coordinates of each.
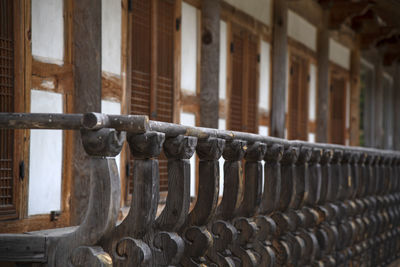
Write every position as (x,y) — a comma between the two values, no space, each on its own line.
(7,201)
(235,101)
(338,110)
(298,99)
(153,66)
(141,53)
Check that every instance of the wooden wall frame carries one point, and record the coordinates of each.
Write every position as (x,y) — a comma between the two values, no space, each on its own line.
(338,72)
(296,53)
(31,73)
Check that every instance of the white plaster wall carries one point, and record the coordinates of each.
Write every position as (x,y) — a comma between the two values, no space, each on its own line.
(221,126)
(311,137)
(223,43)
(312,93)
(265,77)
(111,36)
(45,157)
(302,31)
(339,54)
(259,9)
(189,47)
(114,108)
(189,119)
(48,30)
(263,130)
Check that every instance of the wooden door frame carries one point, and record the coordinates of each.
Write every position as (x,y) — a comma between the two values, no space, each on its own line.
(307,61)
(338,72)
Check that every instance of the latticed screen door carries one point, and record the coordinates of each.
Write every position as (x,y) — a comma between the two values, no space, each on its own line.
(298,99)
(337,122)
(243,109)
(7,192)
(152,68)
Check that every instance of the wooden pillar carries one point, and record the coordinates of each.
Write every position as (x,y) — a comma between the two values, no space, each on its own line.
(355,88)
(396,103)
(87,94)
(323,82)
(378,103)
(279,68)
(209,73)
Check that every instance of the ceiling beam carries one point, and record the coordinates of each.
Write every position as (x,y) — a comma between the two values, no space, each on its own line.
(340,12)
(374,35)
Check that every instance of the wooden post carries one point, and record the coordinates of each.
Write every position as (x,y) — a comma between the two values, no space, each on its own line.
(378,103)
(396,94)
(323,82)
(209,75)
(279,68)
(355,97)
(87,94)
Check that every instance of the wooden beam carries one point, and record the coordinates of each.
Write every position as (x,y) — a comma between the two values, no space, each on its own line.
(323,83)
(341,11)
(378,103)
(355,87)
(374,35)
(87,95)
(209,76)
(396,121)
(279,68)
(308,10)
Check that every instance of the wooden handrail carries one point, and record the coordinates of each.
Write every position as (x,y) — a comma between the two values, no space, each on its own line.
(321,204)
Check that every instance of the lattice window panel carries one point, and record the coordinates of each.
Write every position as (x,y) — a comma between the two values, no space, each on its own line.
(141,95)
(298,99)
(338,110)
(7,200)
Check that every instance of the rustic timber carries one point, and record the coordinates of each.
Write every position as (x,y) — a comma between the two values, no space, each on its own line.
(396,86)
(355,89)
(323,82)
(279,68)
(378,103)
(87,91)
(209,74)
(322,204)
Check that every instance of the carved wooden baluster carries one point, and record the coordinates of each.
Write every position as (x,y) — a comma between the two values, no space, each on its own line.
(247,228)
(391,243)
(333,195)
(76,248)
(355,209)
(388,212)
(311,212)
(368,217)
(168,247)
(304,218)
(359,247)
(269,203)
(345,226)
(351,205)
(396,195)
(272,183)
(129,243)
(224,233)
(288,248)
(381,208)
(194,231)
(326,232)
(374,217)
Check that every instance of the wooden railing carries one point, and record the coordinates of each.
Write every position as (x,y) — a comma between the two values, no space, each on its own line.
(309,205)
